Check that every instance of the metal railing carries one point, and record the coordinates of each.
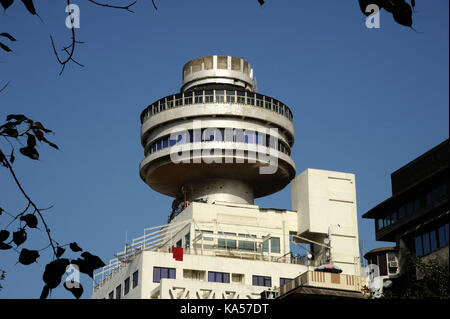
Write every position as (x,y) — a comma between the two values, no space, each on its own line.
(216,96)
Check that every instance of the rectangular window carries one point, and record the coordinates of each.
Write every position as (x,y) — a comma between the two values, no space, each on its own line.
(275,245)
(135,279)
(214,276)
(178,100)
(240,97)
(220,96)
(417,205)
(126,286)
(263,281)
(401,212)
(250,98)
(205,232)
(259,100)
(119,292)
(209,96)
(227,243)
(268,102)
(162,272)
(284,281)
(382,263)
(230,96)
(247,245)
(433,240)
(443,235)
(187,240)
(394,217)
(379,223)
(265,246)
(188,98)
(198,97)
(426,243)
(410,208)
(165,142)
(418,246)
(111,295)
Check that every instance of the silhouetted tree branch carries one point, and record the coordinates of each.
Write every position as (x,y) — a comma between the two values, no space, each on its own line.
(18,127)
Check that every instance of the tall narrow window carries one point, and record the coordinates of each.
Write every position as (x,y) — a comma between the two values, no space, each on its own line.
(135,278)
(119,292)
(126,286)
(426,243)
(187,240)
(275,245)
(418,246)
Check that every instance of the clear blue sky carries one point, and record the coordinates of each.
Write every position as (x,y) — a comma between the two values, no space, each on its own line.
(364,101)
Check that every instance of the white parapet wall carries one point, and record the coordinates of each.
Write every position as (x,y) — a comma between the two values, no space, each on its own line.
(325,202)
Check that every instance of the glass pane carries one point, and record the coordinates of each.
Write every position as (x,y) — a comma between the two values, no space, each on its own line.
(410,208)
(226,278)
(268,282)
(127,285)
(401,212)
(164,273)
(135,279)
(416,205)
(433,240)
(446,232)
(418,246)
(119,292)
(275,244)
(379,223)
(172,273)
(426,243)
(219,277)
(156,274)
(211,276)
(442,240)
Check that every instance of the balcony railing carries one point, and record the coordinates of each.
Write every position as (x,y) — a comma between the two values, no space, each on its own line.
(216,96)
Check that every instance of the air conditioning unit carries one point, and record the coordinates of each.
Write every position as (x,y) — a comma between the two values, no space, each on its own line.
(393,264)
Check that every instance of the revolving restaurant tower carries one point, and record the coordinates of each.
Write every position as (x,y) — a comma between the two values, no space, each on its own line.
(214,147)
(218,97)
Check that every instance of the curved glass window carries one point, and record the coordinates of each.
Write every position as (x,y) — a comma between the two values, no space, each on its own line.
(220,96)
(259,100)
(219,135)
(188,98)
(209,96)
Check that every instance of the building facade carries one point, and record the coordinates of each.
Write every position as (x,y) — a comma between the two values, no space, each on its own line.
(215,147)
(416,217)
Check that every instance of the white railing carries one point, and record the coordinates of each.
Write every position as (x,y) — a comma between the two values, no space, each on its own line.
(153,239)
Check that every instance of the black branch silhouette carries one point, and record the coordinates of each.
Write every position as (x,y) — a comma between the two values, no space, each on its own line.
(20,130)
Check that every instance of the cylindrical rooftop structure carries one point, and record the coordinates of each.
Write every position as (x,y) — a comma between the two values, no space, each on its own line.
(217,140)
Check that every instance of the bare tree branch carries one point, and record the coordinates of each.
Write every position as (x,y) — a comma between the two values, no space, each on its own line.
(126,7)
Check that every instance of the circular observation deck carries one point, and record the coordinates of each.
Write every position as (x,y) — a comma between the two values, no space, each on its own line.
(216,140)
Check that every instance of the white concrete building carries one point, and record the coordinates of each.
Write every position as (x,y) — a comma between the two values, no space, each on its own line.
(235,146)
